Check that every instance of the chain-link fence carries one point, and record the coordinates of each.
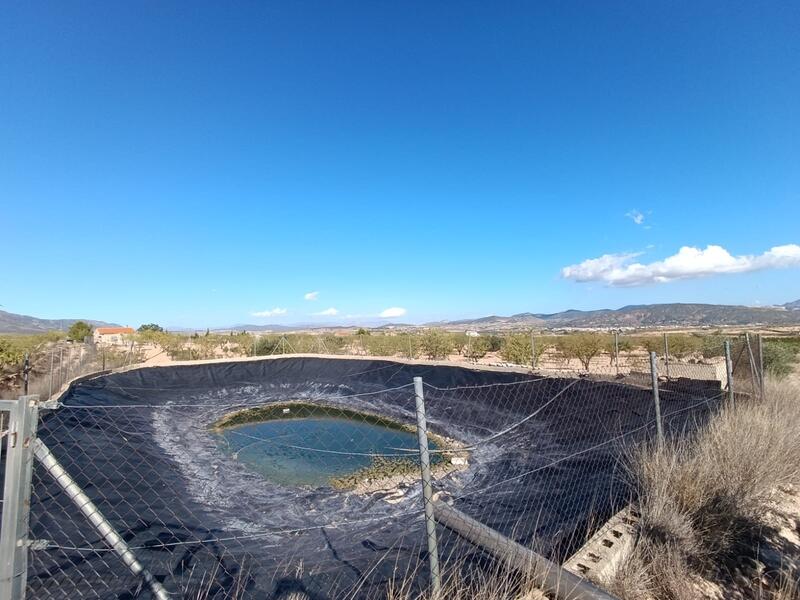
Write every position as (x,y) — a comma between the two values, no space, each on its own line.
(47,370)
(302,476)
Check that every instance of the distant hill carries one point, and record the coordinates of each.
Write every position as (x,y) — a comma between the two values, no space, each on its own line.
(251,328)
(792,305)
(13,323)
(643,315)
(633,316)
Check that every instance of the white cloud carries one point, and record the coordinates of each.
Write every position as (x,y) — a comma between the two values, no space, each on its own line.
(635,216)
(620,270)
(311,295)
(275,312)
(393,312)
(328,312)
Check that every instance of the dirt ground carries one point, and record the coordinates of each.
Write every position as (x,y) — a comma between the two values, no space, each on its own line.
(780,551)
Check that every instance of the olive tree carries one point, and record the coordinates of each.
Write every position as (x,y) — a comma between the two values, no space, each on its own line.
(477,347)
(79,331)
(582,346)
(436,344)
(517,349)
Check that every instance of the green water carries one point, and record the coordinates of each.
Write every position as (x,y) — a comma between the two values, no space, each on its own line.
(311,451)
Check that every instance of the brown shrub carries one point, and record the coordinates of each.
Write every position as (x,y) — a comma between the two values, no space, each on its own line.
(702,500)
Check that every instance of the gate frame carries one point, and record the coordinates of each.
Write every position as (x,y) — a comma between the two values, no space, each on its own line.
(22,423)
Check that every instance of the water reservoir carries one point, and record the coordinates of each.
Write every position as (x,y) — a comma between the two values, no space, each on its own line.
(316,446)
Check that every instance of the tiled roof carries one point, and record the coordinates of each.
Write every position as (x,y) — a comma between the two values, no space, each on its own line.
(110,330)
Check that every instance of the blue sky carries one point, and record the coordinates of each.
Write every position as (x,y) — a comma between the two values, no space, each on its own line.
(196,163)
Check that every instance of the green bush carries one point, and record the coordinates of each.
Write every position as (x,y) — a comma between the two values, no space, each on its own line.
(517,348)
(582,346)
(13,348)
(79,331)
(712,346)
(477,347)
(381,345)
(780,357)
(683,345)
(436,344)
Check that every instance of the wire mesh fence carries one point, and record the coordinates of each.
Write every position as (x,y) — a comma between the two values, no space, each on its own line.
(302,476)
(46,370)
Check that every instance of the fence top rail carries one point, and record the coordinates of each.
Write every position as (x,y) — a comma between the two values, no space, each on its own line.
(7,404)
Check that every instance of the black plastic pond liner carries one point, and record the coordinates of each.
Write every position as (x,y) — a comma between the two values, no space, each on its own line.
(138,443)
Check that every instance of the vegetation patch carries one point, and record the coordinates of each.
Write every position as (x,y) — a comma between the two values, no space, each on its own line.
(380,471)
(705,503)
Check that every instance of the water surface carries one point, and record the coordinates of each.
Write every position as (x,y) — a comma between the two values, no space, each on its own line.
(310,451)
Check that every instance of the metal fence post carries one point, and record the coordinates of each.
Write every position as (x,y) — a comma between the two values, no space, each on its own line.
(656,400)
(616,351)
(729,369)
(533,350)
(26,369)
(666,353)
(60,366)
(761,362)
(427,491)
(755,376)
(52,360)
(17,497)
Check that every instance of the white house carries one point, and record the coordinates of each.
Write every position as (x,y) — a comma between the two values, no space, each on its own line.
(111,336)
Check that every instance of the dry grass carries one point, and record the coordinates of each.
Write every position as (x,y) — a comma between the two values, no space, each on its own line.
(498,583)
(703,502)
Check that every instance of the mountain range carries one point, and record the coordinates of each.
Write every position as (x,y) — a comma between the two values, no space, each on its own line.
(14,323)
(633,316)
(639,316)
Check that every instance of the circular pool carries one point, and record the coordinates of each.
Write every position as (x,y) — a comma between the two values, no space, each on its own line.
(301,444)
(200,502)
